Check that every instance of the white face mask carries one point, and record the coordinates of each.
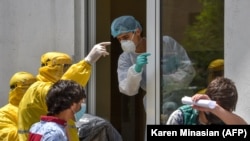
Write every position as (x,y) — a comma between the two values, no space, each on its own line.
(128,45)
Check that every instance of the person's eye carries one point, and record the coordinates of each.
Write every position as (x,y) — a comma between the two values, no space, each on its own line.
(119,39)
(126,37)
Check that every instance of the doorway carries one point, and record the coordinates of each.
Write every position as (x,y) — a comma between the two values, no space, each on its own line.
(126,113)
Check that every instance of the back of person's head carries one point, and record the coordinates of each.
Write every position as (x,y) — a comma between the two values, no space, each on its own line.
(215,69)
(124,24)
(53,66)
(62,95)
(19,83)
(224,92)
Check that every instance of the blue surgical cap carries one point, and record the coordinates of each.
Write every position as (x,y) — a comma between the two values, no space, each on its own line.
(124,24)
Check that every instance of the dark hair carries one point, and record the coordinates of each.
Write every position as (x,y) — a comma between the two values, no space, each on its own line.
(62,95)
(224,92)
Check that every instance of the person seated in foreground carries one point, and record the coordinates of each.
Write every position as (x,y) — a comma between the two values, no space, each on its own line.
(224,92)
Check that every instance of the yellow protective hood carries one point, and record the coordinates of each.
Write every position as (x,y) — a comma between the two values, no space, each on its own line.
(52,66)
(19,83)
(215,69)
(216,65)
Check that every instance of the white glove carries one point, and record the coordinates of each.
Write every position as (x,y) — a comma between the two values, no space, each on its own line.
(97,51)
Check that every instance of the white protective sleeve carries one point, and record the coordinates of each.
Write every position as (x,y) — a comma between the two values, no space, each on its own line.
(131,84)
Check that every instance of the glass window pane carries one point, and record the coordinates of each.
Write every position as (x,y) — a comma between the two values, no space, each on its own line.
(193,37)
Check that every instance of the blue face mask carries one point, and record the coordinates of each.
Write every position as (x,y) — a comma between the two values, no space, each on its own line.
(80,113)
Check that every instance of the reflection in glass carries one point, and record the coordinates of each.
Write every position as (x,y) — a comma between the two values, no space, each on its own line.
(192,34)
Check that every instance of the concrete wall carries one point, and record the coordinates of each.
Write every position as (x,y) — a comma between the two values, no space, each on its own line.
(237,54)
(28,29)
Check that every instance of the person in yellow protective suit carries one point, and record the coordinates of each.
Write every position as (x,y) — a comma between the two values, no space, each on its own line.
(19,83)
(215,69)
(53,68)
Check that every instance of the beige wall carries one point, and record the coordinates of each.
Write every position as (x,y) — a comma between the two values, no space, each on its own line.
(237,56)
(28,29)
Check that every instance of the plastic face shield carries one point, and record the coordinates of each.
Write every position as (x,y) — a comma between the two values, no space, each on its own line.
(23,84)
(65,67)
(60,62)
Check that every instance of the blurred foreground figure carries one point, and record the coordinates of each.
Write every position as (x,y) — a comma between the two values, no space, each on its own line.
(93,128)
(65,101)
(224,92)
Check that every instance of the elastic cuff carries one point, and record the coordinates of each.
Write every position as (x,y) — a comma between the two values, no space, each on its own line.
(134,71)
(87,61)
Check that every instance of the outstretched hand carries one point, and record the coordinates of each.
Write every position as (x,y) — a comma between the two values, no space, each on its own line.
(141,60)
(97,51)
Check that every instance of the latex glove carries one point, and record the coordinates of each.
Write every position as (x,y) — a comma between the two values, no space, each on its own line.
(141,60)
(97,51)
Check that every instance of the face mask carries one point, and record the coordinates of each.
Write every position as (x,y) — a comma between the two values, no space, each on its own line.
(80,113)
(128,45)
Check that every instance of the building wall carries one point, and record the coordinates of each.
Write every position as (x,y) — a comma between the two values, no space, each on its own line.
(28,29)
(237,54)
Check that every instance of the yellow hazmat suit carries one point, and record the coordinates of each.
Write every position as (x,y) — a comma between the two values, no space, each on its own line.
(33,105)
(19,83)
(215,69)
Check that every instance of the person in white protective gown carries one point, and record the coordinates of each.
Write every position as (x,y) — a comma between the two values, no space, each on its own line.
(177,69)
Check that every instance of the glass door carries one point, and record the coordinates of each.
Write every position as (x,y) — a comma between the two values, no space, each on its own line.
(186,39)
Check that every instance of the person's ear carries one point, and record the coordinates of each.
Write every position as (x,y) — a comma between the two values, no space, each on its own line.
(73,107)
(138,31)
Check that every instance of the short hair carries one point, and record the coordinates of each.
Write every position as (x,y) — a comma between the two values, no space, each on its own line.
(62,95)
(224,92)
